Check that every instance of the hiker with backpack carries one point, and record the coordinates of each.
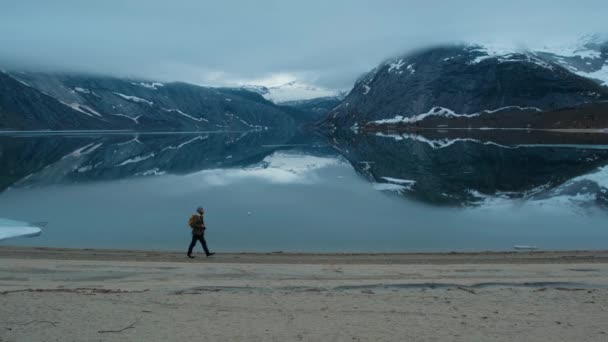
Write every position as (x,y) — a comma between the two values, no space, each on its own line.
(197,224)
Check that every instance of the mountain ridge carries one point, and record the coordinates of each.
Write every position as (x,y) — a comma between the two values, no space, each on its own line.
(463,79)
(113,103)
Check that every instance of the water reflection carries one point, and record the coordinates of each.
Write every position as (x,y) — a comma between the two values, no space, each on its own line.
(436,168)
(467,171)
(297,191)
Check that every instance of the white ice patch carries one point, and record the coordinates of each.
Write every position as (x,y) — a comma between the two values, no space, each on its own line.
(136,159)
(134,99)
(175,110)
(366,89)
(12,229)
(411,69)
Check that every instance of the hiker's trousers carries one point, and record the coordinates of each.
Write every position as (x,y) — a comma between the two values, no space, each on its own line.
(200,238)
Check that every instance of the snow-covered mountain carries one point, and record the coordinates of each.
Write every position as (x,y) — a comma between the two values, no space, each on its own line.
(587,56)
(473,78)
(294,91)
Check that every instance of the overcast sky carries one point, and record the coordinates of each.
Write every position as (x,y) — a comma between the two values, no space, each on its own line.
(228,42)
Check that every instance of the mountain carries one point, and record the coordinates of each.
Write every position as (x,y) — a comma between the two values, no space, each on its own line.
(59,101)
(462,79)
(293,91)
(24,107)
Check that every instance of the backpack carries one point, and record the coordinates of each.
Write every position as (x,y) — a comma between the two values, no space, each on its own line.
(192,222)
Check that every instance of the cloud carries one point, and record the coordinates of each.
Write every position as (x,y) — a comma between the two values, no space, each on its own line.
(329,43)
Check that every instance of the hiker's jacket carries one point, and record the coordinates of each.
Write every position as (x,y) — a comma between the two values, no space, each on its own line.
(198,225)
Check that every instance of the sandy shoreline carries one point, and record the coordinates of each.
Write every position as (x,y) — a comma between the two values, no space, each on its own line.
(82,295)
(516,257)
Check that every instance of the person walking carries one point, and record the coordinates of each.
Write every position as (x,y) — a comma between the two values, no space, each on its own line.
(197,224)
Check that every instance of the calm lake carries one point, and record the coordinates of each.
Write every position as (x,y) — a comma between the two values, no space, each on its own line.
(295,191)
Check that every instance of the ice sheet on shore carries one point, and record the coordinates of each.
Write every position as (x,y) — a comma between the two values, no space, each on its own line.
(11,229)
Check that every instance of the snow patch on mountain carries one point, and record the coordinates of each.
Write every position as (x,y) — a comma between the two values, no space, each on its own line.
(152,85)
(396,66)
(82,108)
(82,90)
(582,56)
(134,99)
(446,113)
(175,110)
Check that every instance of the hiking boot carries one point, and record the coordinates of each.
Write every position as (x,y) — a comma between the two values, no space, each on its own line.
(190,256)
(210,254)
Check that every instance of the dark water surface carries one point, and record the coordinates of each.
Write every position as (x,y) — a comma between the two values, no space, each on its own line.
(286,191)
